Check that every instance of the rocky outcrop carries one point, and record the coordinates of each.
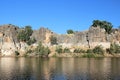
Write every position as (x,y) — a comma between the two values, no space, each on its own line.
(95,36)
(42,35)
(8,40)
(85,39)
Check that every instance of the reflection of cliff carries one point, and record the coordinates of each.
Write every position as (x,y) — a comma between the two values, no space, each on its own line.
(100,68)
(8,68)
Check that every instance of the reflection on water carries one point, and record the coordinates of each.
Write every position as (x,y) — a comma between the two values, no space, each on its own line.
(60,68)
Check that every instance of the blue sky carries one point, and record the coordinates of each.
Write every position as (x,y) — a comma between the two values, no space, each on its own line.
(59,15)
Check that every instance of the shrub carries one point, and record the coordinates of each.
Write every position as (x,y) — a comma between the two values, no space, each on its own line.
(114,48)
(59,49)
(41,50)
(89,55)
(66,50)
(46,51)
(70,31)
(31,41)
(98,50)
(89,51)
(53,40)
(29,51)
(24,35)
(103,24)
(79,51)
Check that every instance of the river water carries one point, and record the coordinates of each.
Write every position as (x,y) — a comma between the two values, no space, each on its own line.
(59,68)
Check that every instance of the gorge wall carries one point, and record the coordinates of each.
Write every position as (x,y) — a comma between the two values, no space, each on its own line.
(85,39)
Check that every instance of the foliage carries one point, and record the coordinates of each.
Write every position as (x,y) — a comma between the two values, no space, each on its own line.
(31,41)
(41,50)
(103,24)
(53,40)
(29,51)
(114,48)
(17,53)
(21,36)
(79,51)
(89,51)
(88,55)
(59,49)
(98,50)
(66,50)
(70,31)
(24,35)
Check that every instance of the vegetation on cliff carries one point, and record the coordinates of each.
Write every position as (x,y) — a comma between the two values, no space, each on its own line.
(41,50)
(70,31)
(103,24)
(53,40)
(24,35)
(42,42)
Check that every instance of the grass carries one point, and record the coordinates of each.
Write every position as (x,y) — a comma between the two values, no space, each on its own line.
(92,55)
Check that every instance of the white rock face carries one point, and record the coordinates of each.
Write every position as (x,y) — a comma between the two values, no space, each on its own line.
(23,47)
(8,49)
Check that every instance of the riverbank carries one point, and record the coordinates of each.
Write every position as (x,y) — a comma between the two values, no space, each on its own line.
(69,55)
(82,55)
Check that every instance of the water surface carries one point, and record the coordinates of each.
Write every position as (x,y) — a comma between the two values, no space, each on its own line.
(59,68)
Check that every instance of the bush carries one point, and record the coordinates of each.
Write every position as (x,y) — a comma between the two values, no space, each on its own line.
(103,24)
(41,50)
(31,41)
(98,50)
(53,40)
(66,50)
(89,51)
(89,55)
(59,49)
(70,31)
(79,51)
(24,35)
(114,48)
(29,51)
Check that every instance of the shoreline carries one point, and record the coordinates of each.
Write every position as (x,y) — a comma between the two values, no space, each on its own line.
(69,55)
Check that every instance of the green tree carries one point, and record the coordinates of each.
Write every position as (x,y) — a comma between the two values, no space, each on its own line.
(21,36)
(66,50)
(31,41)
(28,30)
(41,50)
(53,40)
(24,35)
(114,48)
(59,49)
(103,24)
(98,50)
(70,31)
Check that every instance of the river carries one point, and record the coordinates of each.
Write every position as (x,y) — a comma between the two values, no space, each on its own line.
(59,68)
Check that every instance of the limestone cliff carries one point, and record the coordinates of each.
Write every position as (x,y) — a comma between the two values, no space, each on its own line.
(92,37)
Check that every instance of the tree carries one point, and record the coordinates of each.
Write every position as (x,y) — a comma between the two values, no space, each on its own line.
(53,40)
(21,36)
(70,31)
(103,24)
(24,35)
(98,50)
(59,49)
(41,50)
(31,41)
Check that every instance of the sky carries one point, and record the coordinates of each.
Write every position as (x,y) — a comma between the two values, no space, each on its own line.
(59,15)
